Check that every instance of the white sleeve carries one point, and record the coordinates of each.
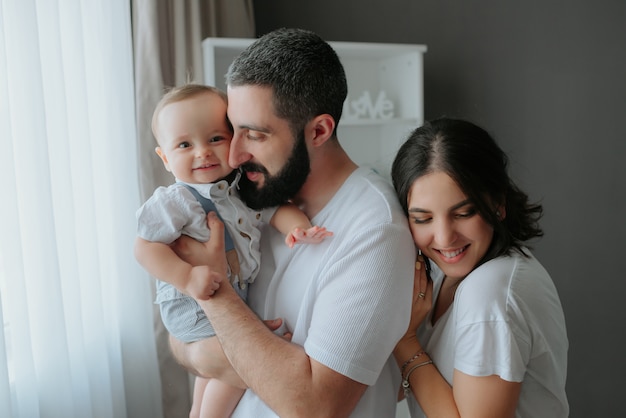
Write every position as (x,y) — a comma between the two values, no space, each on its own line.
(170,212)
(363,302)
(490,337)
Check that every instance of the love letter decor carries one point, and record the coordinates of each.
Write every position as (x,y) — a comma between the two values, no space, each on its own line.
(364,108)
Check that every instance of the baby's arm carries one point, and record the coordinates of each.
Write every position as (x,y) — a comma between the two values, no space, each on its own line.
(161,262)
(296,227)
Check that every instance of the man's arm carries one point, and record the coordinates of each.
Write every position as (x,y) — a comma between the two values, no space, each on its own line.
(203,358)
(279,372)
(206,358)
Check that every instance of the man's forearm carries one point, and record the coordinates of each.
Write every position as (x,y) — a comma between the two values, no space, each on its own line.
(278,371)
(205,358)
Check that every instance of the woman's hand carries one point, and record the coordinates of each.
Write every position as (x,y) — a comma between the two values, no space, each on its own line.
(422,298)
(408,349)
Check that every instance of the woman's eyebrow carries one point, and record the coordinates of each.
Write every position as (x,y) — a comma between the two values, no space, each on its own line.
(453,207)
(460,204)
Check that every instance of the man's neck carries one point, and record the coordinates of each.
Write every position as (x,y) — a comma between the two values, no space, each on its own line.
(329,170)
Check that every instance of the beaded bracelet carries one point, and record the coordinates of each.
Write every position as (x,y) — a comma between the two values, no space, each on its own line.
(406,385)
(411,360)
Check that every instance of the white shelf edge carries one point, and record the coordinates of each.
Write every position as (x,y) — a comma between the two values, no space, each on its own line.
(370,122)
(349,48)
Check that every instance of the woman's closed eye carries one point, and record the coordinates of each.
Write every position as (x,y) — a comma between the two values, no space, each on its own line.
(467,213)
(459,214)
(420,219)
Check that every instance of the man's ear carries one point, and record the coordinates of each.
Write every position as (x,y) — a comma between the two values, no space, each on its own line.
(161,154)
(322,128)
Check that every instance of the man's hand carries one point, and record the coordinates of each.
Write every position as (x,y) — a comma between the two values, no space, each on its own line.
(208,259)
(210,253)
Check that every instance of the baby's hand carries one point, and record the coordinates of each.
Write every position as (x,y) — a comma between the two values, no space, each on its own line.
(203,283)
(313,235)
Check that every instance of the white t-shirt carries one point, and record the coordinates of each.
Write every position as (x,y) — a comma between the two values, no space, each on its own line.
(346,300)
(507,320)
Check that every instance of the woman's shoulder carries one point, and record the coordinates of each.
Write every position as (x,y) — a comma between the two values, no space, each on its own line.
(502,282)
(505,268)
(488,288)
(494,272)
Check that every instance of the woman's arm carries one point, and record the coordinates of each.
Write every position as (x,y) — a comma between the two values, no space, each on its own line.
(487,396)
(469,396)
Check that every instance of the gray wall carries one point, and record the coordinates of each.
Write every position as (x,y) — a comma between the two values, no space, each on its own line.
(548,79)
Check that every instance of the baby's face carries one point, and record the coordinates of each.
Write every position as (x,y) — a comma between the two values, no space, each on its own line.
(195,139)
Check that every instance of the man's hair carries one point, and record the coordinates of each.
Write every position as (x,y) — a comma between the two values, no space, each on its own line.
(303,71)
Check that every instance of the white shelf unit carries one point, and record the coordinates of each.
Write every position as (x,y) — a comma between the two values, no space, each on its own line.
(385,93)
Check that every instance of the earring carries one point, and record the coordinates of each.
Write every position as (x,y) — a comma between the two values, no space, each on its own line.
(420,258)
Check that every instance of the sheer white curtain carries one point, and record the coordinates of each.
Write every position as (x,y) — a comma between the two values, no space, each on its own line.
(77,338)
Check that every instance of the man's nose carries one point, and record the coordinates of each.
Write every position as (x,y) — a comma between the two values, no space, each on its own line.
(237,154)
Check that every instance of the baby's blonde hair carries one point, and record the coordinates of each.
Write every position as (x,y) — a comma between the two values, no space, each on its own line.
(177,94)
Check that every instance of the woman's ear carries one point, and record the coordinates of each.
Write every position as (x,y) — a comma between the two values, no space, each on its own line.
(501,212)
(322,128)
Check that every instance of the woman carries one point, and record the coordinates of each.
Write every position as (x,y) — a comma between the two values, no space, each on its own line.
(487,336)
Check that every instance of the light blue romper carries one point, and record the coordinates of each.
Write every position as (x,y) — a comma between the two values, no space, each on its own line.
(182,315)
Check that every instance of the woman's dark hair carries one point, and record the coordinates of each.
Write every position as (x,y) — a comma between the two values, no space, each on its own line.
(470,156)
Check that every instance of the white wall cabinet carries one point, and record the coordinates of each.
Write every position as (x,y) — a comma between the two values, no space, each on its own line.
(385,93)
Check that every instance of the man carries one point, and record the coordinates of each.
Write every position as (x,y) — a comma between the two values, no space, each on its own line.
(344,303)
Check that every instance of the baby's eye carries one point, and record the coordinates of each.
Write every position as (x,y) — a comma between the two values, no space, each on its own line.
(217,139)
(184,145)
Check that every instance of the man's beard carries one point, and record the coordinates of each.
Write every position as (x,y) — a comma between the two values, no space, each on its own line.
(277,189)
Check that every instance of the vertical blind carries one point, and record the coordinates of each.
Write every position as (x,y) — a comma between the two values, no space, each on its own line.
(77,337)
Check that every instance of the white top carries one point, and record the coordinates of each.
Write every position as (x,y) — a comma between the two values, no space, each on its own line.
(346,300)
(507,320)
(173,211)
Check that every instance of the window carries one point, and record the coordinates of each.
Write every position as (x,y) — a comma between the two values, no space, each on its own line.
(77,336)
